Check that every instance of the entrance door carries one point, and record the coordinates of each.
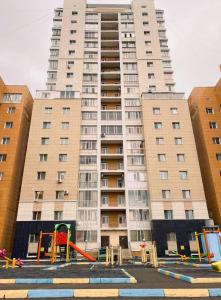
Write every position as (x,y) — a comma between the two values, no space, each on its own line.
(105,241)
(123,241)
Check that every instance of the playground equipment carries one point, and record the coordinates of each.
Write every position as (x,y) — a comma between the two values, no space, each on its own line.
(113,255)
(14,262)
(62,240)
(149,251)
(210,240)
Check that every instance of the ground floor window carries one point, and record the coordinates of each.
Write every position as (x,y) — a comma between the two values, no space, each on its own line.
(140,235)
(87,236)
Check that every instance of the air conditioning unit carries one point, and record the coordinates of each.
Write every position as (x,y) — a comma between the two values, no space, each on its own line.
(103,135)
(66,193)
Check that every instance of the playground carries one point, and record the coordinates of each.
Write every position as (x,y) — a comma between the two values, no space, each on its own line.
(63,270)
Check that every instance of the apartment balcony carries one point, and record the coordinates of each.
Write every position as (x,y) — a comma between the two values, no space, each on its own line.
(113,220)
(109,94)
(109,45)
(109,25)
(109,36)
(112,167)
(109,17)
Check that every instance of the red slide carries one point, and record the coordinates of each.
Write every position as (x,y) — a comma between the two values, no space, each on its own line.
(86,255)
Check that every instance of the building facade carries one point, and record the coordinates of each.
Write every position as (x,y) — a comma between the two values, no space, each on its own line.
(127,129)
(205,109)
(15,117)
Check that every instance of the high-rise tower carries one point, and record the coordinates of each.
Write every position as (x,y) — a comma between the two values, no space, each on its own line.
(130,165)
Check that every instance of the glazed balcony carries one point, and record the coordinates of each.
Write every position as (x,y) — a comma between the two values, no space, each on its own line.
(109,26)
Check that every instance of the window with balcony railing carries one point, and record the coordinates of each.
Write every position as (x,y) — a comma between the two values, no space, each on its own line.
(111,130)
(111,116)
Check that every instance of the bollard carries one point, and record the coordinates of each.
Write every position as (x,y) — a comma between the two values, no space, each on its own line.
(107,256)
(112,256)
(6,264)
(13,263)
(120,257)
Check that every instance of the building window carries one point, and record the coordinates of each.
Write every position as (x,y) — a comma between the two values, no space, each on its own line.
(88,145)
(64,141)
(140,235)
(161,157)
(111,130)
(133,115)
(86,236)
(149,64)
(158,125)
(12,97)
(168,214)
(213,125)
(48,110)
(209,111)
(60,195)
(164,175)
(183,175)
(63,157)
(149,53)
(176,125)
(216,140)
(43,157)
(180,157)
(66,110)
(1,176)
(151,76)
(218,156)
(173,110)
(88,159)
(39,195)
(189,214)
(159,141)
(65,125)
(156,110)
(8,125)
(34,238)
(44,141)
(5,140)
(70,75)
(178,141)
(138,198)
(89,115)
(3,157)
(10,110)
(171,237)
(166,194)
(41,175)
(152,88)
(186,194)
(71,52)
(135,160)
(36,216)
(58,215)
(88,130)
(46,125)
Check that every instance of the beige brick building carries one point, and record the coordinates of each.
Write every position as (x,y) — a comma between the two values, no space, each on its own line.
(132,172)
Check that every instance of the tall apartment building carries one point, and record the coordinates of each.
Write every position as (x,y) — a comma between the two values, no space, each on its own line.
(129,160)
(205,109)
(15,117)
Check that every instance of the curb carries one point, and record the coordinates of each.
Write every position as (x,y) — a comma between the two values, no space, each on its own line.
(136,293)
(190,279)
(91,280)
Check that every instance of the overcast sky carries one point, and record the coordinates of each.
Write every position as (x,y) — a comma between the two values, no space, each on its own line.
(193,29)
